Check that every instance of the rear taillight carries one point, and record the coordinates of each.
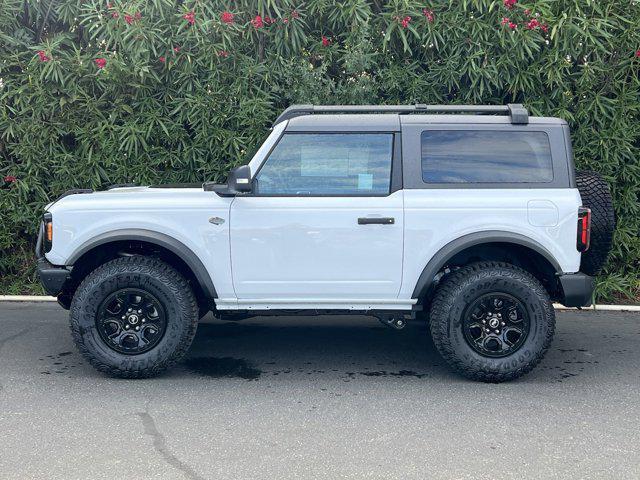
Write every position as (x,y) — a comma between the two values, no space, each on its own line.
(584,229)
(47,238)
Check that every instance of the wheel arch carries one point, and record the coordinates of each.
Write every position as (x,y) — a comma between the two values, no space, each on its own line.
(111,244)
(488,246)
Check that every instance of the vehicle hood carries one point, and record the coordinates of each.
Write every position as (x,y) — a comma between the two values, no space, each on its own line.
(137,198)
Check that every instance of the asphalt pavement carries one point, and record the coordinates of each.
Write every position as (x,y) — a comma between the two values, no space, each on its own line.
(318,398)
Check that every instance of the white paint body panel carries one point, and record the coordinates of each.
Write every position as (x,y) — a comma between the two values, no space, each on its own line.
(313,247)
(435,217)
(181,213)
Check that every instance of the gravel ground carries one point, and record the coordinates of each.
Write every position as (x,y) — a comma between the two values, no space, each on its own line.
(318,397)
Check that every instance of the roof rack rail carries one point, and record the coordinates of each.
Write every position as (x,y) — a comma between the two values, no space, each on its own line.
(517,112)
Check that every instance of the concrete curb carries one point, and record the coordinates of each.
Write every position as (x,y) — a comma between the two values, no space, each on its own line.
(603,308)
(26,298)
(610,308)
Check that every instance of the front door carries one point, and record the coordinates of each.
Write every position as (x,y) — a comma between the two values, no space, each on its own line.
(323,222)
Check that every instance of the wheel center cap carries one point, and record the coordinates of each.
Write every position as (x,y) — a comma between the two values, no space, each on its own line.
(133,319)
(494,322)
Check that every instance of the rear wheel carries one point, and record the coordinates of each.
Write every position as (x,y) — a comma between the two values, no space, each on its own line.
(133,317)
(492,321)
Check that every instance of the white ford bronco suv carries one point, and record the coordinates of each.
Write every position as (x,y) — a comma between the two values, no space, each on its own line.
(471,218)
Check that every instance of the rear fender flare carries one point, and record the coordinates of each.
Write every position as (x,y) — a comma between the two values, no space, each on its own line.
(439,260)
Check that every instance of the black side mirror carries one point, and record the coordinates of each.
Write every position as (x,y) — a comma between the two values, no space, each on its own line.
(240,179)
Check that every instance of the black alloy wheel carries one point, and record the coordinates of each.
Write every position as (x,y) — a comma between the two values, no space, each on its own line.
(131,321)
(496,324)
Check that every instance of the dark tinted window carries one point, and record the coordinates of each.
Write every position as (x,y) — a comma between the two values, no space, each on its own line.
(460,156)
(328,164)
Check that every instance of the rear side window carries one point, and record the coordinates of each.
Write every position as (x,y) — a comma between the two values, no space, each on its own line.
(484,156)
(328,164)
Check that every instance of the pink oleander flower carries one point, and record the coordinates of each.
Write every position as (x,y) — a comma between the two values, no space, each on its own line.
(227,17)
(533,24)
(257,22)
(190,17)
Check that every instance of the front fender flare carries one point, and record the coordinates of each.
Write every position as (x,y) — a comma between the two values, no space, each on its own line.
(175,246)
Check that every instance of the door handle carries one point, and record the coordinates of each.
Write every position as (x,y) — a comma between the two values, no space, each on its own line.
(376,220)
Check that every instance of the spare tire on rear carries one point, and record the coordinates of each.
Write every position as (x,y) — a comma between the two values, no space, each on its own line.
(596,196)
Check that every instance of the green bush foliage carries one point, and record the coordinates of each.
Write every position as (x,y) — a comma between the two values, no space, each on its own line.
(95,93)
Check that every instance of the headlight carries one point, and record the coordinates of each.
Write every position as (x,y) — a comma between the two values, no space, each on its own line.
(47,239)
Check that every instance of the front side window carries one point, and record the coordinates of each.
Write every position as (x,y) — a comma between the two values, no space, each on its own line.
(484,156)
(328,164)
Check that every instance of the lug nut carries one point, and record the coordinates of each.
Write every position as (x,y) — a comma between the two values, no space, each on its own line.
(129,310)
(123,317)
(137,328)
(483,321)
(126,327)
(486,330)
(502,323)
(139,311)
(144,320)
(497,331)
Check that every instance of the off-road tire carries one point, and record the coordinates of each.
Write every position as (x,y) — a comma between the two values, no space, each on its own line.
(143,273)
(595,195)
(462,287)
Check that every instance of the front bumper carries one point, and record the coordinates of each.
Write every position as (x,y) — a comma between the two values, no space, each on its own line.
(577,289)
(52,277)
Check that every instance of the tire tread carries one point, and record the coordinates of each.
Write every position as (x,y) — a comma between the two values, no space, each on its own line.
(595,195)
(451,287)
(154,268)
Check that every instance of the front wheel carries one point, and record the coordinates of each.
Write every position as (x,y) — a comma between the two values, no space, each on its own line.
(133,317)
(492,321)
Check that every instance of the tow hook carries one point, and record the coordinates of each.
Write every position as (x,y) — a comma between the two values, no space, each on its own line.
(395,321)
